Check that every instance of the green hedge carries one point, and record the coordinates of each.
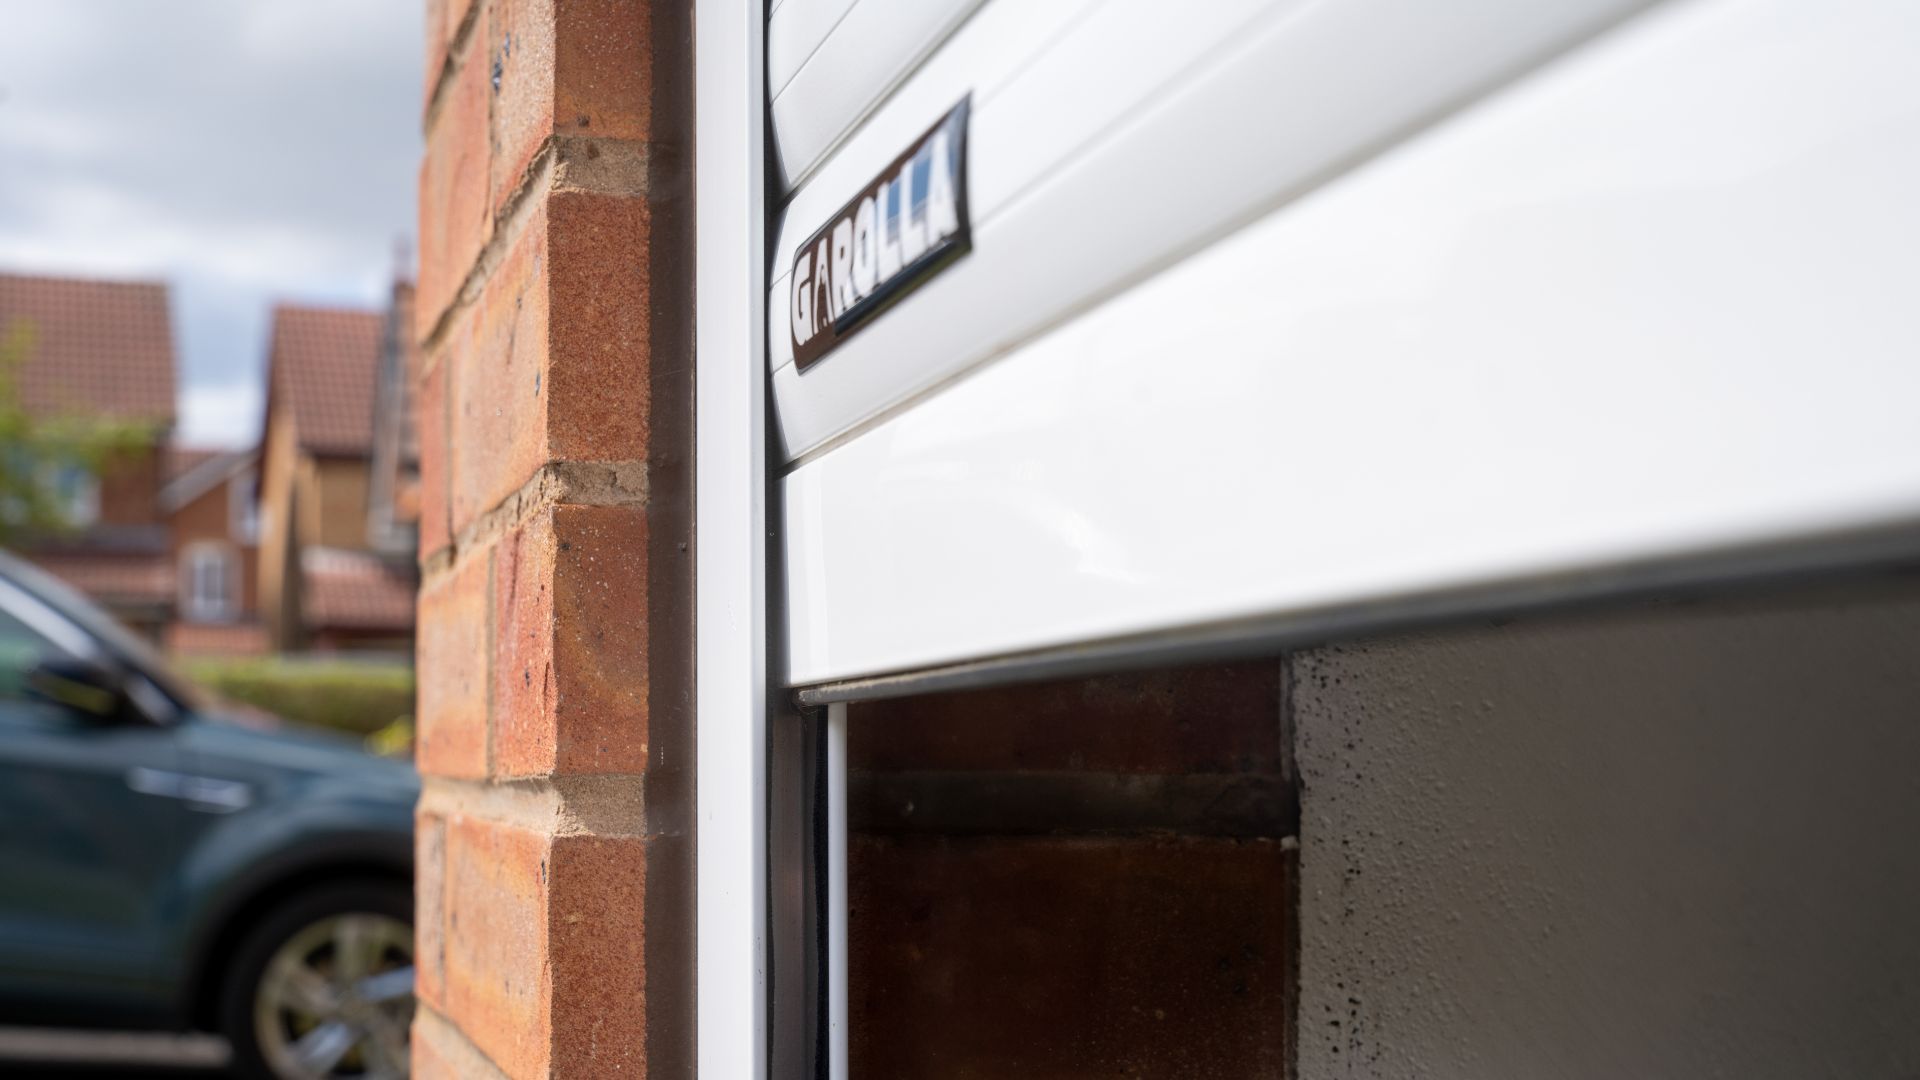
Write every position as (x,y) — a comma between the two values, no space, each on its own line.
(356,696)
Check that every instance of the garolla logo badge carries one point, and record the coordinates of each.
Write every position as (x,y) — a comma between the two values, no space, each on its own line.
(907,225)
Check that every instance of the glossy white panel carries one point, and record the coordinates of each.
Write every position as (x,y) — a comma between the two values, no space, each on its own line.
(978,59)
(1653,301)
(837,81)
(1187,120)
(795,30)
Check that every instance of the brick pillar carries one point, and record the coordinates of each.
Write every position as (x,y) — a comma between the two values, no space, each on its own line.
(555,731)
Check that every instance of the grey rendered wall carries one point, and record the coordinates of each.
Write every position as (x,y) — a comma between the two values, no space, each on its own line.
(1673,842)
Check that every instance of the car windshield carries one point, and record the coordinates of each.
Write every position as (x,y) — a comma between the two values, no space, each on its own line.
(125,645)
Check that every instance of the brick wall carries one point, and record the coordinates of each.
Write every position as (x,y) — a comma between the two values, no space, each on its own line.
(130,488)
(554,865)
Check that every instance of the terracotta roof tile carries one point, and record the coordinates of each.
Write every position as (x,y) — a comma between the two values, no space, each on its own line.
(355,589)
(103,348)
(322,364)
(182,460)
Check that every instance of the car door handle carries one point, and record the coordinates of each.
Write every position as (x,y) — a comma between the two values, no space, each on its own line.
(207,794)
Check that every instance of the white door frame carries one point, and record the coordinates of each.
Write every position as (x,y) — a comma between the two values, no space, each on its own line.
(730,539)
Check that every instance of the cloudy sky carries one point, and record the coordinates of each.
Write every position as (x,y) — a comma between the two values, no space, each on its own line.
(246,151)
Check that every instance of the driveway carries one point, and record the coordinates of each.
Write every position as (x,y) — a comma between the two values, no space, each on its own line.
(30,1053)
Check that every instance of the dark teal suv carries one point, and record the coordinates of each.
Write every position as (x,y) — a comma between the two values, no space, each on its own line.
(164,868)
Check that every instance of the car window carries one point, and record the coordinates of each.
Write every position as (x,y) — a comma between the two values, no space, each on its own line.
(88,619)
(22,648)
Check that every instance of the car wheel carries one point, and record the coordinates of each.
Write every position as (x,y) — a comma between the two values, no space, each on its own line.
(323,987)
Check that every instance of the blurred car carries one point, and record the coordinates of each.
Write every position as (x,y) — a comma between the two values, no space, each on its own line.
(162,867)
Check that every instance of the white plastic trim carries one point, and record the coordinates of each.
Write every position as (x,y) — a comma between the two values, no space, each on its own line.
(730,521)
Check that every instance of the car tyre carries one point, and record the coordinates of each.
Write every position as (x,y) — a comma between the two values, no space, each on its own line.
(322,986)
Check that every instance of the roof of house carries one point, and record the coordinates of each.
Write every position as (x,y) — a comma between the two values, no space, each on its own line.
(103,348)
(355,590)
(181,460)
(193,472)
(321,370)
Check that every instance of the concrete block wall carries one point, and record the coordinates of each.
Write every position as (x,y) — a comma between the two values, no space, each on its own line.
(554,884)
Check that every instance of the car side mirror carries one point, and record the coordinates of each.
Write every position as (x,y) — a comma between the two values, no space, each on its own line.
(80,686)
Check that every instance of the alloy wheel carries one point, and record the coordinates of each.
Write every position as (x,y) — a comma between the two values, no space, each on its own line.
(336,1000)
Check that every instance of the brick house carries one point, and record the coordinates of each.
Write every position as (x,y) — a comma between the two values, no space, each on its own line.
(337,495)
(211,502)
(104,349)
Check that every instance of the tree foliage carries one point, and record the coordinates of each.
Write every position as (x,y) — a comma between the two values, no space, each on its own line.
(42,453)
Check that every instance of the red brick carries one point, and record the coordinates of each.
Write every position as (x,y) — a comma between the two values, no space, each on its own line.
(1067,957)
(1213,719)
(435,513)
(498,983)
(456,14)
(429,907)
(436,43)
(604,69)
(498,380)
(599,347)
(455,216)
(443,26)
(579,67)
(571,694)
(551,365)
(524,736)
(598,954)
(451,653)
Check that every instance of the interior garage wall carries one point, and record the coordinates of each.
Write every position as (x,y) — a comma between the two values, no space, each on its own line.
(1673,841)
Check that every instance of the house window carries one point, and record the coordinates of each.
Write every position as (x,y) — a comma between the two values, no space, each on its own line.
(76,492)
(209,578)
(65,493)
(243,504)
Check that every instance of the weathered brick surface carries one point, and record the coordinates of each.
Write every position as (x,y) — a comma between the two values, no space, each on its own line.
(525,738)
(436,39)
(498,983)
(429,908)
(1212,719)
(537,662)
(603,69)
(571,692)
(457,13)
(455,216)
(452,659)
(539,973)
(551,364)
(444,19)
(599,969)
(497,379)
(560,67)
(436,520)
(1073,957)
(599,346)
